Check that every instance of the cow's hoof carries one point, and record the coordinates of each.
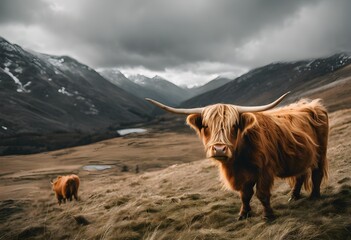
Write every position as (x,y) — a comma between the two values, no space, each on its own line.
(315,196)
(294,198)
(244,216)
(269,218)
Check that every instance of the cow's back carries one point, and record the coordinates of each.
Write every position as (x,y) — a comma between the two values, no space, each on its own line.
(293,137)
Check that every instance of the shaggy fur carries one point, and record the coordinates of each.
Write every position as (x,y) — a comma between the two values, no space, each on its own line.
(66,187)
(288,142)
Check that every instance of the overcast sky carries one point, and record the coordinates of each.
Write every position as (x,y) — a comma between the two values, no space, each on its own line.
(185,41)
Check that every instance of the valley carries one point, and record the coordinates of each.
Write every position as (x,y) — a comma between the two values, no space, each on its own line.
(174,194)
(153,183)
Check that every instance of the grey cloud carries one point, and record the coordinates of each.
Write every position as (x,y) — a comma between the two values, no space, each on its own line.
(22,11)
(172,33)
(160,34)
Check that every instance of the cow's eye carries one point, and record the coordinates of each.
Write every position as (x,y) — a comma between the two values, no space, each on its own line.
(234,130)
(205,130)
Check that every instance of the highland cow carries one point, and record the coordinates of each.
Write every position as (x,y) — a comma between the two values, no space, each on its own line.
(66,187)
(254,145)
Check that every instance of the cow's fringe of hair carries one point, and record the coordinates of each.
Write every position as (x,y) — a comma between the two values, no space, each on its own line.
(229,116)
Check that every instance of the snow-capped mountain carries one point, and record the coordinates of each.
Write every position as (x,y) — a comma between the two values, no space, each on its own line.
(166,91)
(42,94)
(140,89)
(266,83)
(157,87)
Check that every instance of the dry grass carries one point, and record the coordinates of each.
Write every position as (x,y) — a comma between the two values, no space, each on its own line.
(183,201)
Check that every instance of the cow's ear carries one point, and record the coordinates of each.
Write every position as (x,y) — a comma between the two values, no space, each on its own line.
(247,121)
(194,121)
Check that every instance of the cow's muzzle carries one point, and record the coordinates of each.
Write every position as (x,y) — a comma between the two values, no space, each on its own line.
(219,152)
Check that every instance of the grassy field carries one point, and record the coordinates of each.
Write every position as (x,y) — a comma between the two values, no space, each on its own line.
(176,194)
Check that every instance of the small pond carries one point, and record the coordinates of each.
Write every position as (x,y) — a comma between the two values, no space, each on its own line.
(126,131)
(96,167)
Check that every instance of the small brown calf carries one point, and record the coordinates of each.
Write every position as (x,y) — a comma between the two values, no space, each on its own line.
(66,187)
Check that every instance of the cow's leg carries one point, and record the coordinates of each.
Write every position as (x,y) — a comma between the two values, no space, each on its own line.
(246,195)
(317,176)
(68,193)
(69,196)
(76,196)
(263,188)
(295,193)
(265,199)
(59,199)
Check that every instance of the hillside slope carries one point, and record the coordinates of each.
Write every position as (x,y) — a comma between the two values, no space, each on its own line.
(42,94)
(267,83)
(183,201)
(211,85)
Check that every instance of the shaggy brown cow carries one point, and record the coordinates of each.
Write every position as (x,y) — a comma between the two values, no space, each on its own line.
(66,187)
(253,145)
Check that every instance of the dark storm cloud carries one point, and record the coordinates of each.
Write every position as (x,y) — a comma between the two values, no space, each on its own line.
(163,33)
(159,34)
(22,12)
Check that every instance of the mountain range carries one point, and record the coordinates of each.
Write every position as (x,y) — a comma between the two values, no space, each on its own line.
(157,87)
(49,102)
(43,95)
(143,87)
(306,78)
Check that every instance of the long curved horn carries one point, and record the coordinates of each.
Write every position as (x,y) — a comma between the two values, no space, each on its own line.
(175,110)
(242,109)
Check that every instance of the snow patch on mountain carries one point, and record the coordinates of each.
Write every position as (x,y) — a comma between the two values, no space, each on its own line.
(56,62)
(92,108)
(139,79)
(20,87)
(65,92)
(18,70)
(8,63)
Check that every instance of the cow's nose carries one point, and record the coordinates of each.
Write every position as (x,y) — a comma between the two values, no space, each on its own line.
(219,150)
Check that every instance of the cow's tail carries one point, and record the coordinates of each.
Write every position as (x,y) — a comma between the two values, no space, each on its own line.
(321,123)
(323,164)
